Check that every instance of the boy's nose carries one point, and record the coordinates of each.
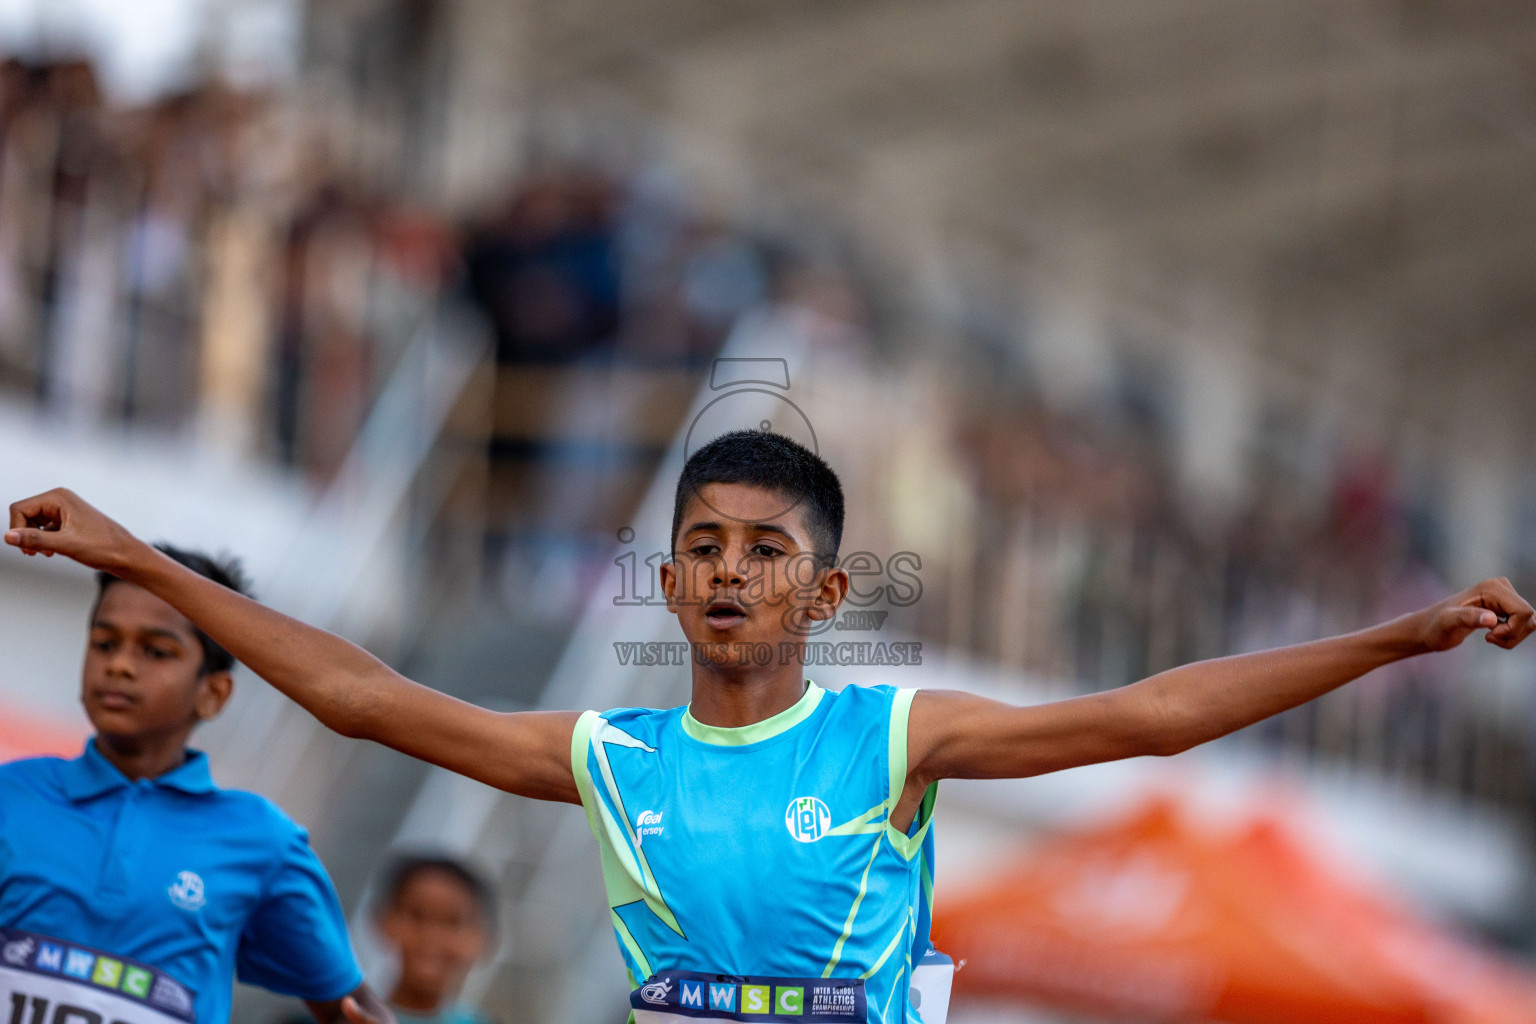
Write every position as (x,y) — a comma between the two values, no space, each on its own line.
(727,571)
(723,576)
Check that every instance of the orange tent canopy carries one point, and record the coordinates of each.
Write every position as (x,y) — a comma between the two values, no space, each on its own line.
(26,735)
(1153,919)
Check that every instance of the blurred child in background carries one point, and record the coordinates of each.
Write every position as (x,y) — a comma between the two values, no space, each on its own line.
(438,915)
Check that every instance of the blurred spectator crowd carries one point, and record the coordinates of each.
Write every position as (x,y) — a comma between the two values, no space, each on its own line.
(1091,566)
(196,263)
(216,262)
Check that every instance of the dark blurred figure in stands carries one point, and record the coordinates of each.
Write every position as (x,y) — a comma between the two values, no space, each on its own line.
(51,145)
(322,361)
(545,270)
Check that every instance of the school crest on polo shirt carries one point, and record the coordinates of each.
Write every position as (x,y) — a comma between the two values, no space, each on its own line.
(187,891)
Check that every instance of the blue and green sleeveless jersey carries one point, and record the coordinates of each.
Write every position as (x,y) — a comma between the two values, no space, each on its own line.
(763,852)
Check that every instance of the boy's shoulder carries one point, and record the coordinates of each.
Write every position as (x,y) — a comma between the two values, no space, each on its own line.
(641,714)
(237,810)
(644,724)
(853,698)
(256,816)
(32,772)
(861,692)
(28,765)
(257,809)
(857,695)
(34,789)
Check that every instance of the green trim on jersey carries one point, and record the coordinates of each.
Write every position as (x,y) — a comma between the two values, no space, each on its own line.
(853,913)
(627,875)
(896,760)
(581,739)
(767,729)
(908,846)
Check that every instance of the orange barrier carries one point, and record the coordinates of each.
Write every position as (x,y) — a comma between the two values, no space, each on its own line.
(1154,919)
(25,735)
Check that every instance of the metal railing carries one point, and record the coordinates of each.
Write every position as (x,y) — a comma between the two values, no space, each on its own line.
(352,565)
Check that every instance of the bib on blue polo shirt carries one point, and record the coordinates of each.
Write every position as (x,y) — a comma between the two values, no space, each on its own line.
(44,980)
(762,856)
(141,900)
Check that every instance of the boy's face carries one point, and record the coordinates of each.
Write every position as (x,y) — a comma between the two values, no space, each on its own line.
(142,678)
(745,570)
(436,926)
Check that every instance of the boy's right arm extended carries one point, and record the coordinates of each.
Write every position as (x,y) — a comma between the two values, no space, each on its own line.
(342,685)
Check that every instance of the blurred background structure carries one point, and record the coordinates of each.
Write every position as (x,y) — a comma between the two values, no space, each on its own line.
(1141,331)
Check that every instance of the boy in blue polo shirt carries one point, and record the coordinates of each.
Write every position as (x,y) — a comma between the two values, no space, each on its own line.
(765,847)
(133,889)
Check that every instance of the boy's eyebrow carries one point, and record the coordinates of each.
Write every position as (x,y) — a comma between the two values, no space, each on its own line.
(154,631)
(759,527)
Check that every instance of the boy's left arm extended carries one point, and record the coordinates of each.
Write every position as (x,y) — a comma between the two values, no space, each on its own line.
(959,735)
(347,689)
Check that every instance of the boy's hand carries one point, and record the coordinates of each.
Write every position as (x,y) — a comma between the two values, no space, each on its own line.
(362,1006)
(1492,605)
(59,522)
(357,1015)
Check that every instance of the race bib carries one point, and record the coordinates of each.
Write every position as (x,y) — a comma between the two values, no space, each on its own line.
(931,981)
(671,996)
(49,981)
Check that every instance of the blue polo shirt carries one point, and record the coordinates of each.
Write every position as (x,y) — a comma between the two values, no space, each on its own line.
(202,883)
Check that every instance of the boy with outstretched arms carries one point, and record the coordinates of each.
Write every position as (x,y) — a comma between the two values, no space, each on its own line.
(132,889)
(762,847)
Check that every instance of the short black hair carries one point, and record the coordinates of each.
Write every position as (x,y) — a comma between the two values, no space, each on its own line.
(406,868)
(224,570)
(765,459)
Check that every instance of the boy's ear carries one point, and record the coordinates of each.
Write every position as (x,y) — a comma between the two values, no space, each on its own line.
(213,693)
(829,596)
(678,590)
(488,944)
(668,571)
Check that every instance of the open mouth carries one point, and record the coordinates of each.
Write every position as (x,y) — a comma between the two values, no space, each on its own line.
(725,614)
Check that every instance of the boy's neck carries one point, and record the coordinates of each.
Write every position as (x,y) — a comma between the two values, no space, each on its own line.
(140,758)
(733,698)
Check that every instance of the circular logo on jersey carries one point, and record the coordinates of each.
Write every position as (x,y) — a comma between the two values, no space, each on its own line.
(187,893)
(807,819)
